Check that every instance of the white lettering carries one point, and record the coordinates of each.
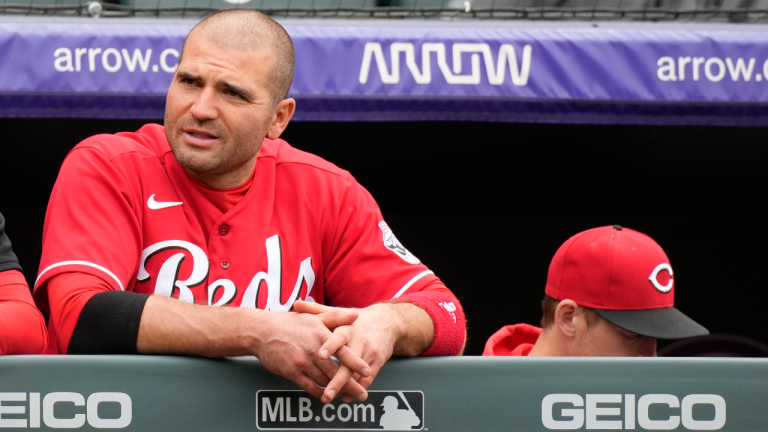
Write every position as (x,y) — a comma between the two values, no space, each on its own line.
(305,413)
(704,399)
(496,73)
(720,69)
(167,276)
(629,411)
(740,69)
(63,62)
(650,399)
(363,409)
(105,60)
(92,53)
(126,410)
(765,69)
(344,418)
(49,409)
(79,52)
(34,410)
(681,62)
(576,415)
(17,409)
(697,61)
(230,291)
(666,71)
(267,409)
(164,62)
(130,62)
(52,399)
(593,411)
(575,418)
(288,416)
(325,417)
(273,278)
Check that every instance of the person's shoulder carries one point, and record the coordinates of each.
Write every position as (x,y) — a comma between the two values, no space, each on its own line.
(148,141)
(288,156)
(508,338)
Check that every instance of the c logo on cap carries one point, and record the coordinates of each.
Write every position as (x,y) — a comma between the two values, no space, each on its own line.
(655,274)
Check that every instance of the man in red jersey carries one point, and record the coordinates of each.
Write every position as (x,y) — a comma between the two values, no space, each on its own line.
(609,292)
(22,327)
(214,210)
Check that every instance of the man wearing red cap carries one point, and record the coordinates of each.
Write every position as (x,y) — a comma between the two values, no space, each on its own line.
(610,292)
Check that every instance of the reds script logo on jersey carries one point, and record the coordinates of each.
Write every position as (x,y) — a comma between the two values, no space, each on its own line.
(223,291)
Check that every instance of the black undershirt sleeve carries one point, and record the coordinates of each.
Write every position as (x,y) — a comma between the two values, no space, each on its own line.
(8,260)
(109,324)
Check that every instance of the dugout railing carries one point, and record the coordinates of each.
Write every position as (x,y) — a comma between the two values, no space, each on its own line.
(154,393)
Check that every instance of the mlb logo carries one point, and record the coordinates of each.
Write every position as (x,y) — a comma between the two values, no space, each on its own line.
(383,410)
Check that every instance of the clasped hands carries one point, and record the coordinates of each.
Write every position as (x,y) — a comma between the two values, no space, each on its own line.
(299,346)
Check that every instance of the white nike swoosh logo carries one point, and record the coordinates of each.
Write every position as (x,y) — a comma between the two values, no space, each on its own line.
(154,205)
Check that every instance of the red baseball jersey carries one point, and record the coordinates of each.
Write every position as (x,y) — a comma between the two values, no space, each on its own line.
(123,209)
(512,340)
(22,327)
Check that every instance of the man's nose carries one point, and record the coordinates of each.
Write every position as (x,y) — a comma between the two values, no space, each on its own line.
(647,347)
(204,106)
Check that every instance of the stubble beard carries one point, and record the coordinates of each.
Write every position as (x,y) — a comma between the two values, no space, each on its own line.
(228,154)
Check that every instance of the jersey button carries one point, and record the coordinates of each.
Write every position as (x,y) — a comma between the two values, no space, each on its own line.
(224,263)
(224,230)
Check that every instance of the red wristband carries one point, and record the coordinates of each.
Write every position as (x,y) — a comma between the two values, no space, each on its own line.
(448,318)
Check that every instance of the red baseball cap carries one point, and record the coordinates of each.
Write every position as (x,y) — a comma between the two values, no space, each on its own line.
(625,277)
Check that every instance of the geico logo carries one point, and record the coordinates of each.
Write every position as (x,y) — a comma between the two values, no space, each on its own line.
(572,413)
(51,400)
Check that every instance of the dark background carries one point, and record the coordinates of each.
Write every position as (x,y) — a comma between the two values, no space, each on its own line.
(486,205)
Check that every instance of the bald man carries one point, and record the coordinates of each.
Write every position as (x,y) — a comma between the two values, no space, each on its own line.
(150,235)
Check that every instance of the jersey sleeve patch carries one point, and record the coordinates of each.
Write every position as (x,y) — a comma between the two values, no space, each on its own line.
(393,244)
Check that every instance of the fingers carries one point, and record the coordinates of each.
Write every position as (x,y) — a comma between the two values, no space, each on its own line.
(317,375)
(337,318)
(354,388)
(366,382)
(337,345)
(376,365)
(308,385)
(331,317)
(329,367)
(313,308)
(338,339)
(333,389)
(350,359)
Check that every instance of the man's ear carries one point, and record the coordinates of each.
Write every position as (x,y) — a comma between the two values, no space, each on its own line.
(283,113)
(566,317)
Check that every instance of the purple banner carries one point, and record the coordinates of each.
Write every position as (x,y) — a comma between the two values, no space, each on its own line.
(418,70)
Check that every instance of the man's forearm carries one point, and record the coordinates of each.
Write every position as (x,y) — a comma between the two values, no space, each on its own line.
(448,329)
(415,329)
(285,343)
(169,326)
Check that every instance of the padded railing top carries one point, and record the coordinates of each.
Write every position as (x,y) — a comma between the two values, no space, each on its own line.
(144,393)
